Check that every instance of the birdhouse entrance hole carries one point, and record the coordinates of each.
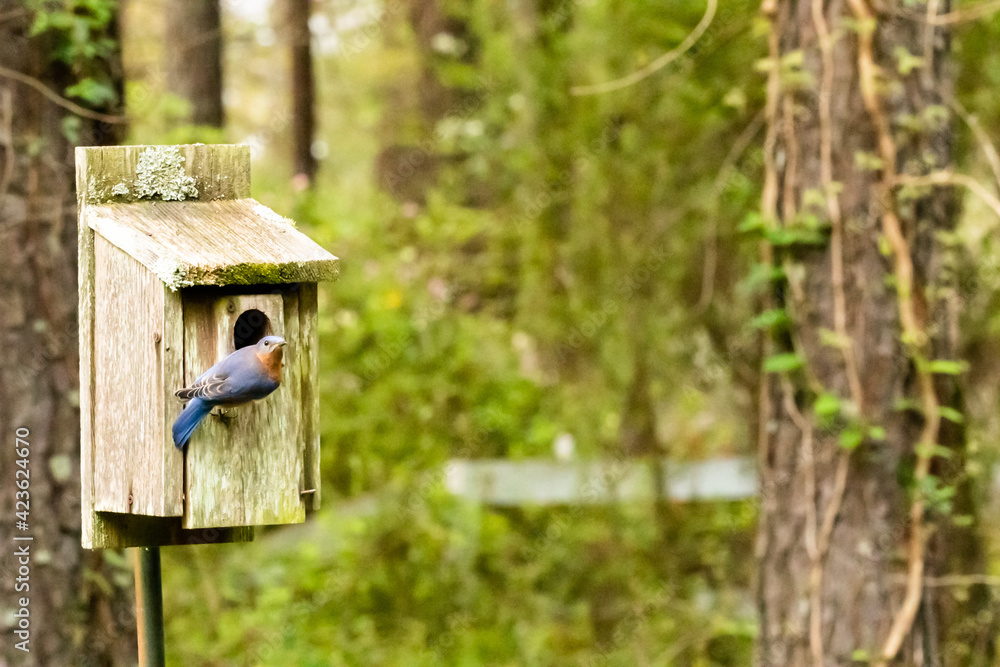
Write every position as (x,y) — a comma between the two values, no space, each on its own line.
(251,326)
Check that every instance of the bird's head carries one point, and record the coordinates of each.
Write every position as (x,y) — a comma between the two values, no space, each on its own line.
(269,345)
(269,350)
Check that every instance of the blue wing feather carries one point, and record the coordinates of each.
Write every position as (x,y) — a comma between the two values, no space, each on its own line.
(238,378)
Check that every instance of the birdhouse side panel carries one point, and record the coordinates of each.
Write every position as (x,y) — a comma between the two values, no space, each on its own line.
(172,352)
(135,472)
(307,355)
(293,383)
(85,278)
(243,463)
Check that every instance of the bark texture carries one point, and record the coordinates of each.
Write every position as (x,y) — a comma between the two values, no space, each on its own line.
(193,52)
(410,164)
(303,90)
(80,602)
(834,542)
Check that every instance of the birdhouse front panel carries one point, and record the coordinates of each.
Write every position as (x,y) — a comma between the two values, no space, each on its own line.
(243,463)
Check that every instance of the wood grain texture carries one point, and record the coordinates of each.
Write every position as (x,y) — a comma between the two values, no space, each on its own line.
(111,530)
(293,389)
(243,467)
(137,473)
(219,171)
(85,323)
(233,242)
(171,349)
(309,368)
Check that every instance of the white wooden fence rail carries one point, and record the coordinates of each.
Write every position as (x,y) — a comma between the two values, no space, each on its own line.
(551,482)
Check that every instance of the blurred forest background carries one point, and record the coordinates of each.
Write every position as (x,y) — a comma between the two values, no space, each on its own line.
(519,264)
(523,261)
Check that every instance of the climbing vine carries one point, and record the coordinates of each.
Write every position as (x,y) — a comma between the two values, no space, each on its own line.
(802,229)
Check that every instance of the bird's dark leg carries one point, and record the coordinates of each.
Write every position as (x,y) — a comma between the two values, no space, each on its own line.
(228,412)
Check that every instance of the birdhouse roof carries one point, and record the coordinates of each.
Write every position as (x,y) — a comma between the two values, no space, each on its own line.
(220,242)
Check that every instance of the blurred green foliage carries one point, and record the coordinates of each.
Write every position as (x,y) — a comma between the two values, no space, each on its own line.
(540,263)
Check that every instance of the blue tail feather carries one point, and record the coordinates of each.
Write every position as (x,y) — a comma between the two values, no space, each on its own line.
(190,417)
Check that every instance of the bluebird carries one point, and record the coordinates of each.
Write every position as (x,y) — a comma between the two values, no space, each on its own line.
(248,374)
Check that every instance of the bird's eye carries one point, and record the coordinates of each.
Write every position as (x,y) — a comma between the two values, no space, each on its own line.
(266,343)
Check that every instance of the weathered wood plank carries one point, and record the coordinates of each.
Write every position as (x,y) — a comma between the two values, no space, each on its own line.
(309,368)
(85,277)
(171,350)
(547,482)
(138,475)
(294,358)
(221,172)
(132,173)
(118,531)
(243,468)
(231,242)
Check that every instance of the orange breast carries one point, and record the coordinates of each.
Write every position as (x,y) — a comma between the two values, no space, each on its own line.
(272,363)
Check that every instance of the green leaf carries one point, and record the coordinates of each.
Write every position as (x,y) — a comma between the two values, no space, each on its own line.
(788,236)
(866,26)
(813,197)
(753,222)
(771,319)
(810,221)
(936,116)
(851,437)
(762,275)
(827,405)
(877,433)
(884,247)
(92,91)
(930,450)
(906,62)
(794,58)
(764,65)
(936,493)
(951,414)
(867,161)
(71,127)
(830,338)
(947,367)
(782,363)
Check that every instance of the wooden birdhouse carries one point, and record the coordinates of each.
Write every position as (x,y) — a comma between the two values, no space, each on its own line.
(178,268)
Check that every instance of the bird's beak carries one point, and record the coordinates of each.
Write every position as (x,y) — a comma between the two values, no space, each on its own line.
(282,344)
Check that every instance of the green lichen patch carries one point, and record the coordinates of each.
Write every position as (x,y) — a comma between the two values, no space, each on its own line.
(160,173)
(173,273)
(177,275)
(267,214)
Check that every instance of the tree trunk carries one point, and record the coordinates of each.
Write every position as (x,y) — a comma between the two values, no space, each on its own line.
(193,52)
(79,604)
(303,90)
(850,408)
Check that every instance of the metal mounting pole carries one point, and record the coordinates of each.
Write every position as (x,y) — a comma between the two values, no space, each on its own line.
(149,607)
